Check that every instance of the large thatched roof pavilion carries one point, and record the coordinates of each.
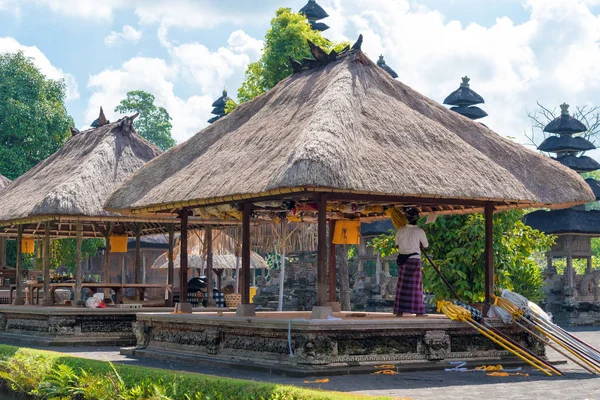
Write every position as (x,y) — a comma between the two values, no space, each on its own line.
(342,139)
(64,195)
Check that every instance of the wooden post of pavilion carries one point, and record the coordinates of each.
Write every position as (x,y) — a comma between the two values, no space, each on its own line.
(321,310)
(78,267)
(171,266)
(183,306)
(46,264)
(106,267)
(208,238)
(19,301)
(489,253)
(335,305)
(3,251)
(246,309)
(137,262)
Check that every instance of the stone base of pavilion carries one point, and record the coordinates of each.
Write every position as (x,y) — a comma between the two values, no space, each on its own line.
(351,343)
(69,326)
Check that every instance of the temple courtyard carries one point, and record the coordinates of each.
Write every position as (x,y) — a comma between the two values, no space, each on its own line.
(417,385)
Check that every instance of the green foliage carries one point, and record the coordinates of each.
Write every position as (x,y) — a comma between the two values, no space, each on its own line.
(54,376)
(33,118)
(457,244)
(230,106)
(286,37)
(153,123)
(64,251)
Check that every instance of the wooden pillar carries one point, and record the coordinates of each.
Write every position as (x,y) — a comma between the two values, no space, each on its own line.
(245,275)
(489,253)
(332,265)
(171,267)
(106,267)
(183,257)
(208,238)
(378,268)
(78,266)
(137,263)
(46,264)
(18,301)
(3,251)
(588,269)
(569,272)
(322,251)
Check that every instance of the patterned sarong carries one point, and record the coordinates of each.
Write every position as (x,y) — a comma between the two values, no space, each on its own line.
(409,291)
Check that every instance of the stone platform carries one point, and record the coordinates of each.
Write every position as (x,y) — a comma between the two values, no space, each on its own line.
(291,343)
(69,326)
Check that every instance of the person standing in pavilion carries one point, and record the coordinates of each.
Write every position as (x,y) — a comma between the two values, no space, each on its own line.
(409,290)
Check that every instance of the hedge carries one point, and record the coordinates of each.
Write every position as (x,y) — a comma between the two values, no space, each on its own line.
(50,375)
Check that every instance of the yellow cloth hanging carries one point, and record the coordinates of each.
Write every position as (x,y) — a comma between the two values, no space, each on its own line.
(397,216)
(27,245)
(118,243)
(346,232)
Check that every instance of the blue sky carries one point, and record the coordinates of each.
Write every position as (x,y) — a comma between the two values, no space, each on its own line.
(184,52)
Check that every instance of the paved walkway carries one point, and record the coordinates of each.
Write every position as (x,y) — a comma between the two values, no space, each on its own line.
(576,385)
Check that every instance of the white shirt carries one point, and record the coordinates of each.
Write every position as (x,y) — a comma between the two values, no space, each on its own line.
(409,238)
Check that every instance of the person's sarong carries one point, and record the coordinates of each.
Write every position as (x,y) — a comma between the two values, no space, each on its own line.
(409,290)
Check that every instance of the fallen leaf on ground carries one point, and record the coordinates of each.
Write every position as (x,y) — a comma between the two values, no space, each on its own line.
(325,380)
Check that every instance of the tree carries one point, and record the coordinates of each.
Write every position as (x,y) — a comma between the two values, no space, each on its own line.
(286,37)
(457,246)
(33,119)
(64,251)
(153,123)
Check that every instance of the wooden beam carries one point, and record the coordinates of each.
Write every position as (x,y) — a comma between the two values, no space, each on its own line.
(332,266)
(18,301)
(245,275)
(322,250)
(489,252)
(78,266)
(208,239)
(183,257)
(137,263)
(171,266)
(46,264)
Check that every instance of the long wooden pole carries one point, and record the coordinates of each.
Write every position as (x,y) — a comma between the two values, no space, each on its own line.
(18,301)
(208,238)
(245,275)
(78,266)
(332,264)
(138,251)
(183,257)
(489,253)
(283,238)
(3,251)
(46,264)
(171,265)
(322,251)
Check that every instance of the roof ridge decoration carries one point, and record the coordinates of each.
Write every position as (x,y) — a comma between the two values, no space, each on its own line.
(98,122)
(321,57)
(381,63)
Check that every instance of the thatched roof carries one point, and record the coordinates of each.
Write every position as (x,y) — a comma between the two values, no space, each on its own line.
(349,128)
(565,123)
(4,181)
(579,164)
(568,221)
(595,185)
(78,178)
(564,143)
(464,95)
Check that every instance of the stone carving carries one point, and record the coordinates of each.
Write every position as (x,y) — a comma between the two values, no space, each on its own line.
(142,333)
(61,325)
(437,345)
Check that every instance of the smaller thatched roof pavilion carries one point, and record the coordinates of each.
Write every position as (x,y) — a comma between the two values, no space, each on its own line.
(342,139)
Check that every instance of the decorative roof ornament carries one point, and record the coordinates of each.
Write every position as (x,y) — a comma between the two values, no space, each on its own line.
(100,121)
(321,57)
(219,107)
(565,124)
(313,13)
(381,63)
(464,98)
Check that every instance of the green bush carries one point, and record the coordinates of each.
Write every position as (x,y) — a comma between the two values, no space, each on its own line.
(56,376)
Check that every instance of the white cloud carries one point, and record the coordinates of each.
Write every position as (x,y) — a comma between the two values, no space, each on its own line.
(552,57)
(128,34)
(86,9)
(10,45)
(11,6)
(191,63)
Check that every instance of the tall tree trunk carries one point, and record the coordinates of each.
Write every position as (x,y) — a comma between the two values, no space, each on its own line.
(342,267)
